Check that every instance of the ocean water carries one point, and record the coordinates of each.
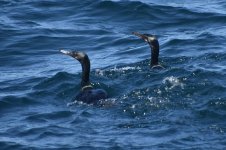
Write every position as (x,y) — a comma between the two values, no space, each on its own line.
(180,107)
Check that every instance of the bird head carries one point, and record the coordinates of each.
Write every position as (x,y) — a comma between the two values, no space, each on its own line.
(146,37)
(80,56)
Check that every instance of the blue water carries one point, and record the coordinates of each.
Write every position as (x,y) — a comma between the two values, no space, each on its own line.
(180,107)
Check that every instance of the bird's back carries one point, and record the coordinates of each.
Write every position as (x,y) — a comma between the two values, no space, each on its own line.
(91,96)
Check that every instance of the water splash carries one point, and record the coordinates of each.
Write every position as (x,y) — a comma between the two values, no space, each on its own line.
(172,82)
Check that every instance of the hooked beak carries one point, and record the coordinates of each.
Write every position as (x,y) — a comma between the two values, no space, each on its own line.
(142,36)
(66,52)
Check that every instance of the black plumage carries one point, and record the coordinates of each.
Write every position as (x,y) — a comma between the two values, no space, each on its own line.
(87,94)
(154,45)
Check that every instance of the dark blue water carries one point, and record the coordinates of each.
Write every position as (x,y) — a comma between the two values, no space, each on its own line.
(180,107)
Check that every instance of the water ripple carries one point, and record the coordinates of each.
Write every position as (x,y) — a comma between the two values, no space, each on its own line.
(179,107)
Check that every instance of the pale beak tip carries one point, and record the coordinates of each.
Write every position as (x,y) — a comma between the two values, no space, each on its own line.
(64,51)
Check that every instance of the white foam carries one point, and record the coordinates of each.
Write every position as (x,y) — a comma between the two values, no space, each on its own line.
(75,102)
(172,82)
(125,68)
(100,72)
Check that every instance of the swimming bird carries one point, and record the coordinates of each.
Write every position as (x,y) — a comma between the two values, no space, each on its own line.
(152,40)
(87,94)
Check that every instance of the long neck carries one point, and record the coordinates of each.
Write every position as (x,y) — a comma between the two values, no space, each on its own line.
(85,71)
(154,52)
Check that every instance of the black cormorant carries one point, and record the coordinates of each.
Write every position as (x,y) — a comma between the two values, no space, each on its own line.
(152,40)
(87,94)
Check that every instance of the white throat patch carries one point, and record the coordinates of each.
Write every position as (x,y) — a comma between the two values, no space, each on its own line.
(81,54)
(151,38)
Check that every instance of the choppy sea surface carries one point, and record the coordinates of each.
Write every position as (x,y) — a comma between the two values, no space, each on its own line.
(180,107)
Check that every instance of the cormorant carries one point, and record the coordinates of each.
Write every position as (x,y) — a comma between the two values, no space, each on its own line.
(152,40)
(87,94)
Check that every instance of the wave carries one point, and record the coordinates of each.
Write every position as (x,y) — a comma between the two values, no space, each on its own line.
(176,107)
